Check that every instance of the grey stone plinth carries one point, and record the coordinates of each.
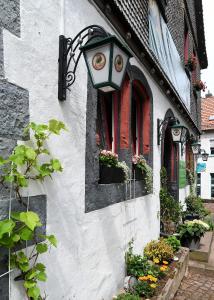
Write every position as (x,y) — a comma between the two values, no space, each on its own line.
(10,15)
(14,112)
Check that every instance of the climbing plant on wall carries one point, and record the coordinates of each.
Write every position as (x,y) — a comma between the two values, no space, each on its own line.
(25,164)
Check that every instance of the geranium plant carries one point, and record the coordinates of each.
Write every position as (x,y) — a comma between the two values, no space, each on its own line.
(199,85)
(192,62)
(140,162)
(110,159)
(21,167)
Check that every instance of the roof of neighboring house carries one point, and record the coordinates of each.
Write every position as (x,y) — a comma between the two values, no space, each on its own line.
(207,113)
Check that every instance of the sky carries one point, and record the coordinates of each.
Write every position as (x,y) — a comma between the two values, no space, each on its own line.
(207,75)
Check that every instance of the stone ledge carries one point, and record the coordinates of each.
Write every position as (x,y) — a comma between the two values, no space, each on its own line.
(203,253)
(172,285)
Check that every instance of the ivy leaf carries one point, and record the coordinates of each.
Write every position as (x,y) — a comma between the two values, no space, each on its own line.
(56,126)
(22,181)
(40,267)
(30,153)
(34,293)
(29,284)
(15,215)
(30,219)
(41,276)
(6,226)
(56,165)
(31,274)
(2,161)
(26,234)
(42,248)
(52,239)
(16,237)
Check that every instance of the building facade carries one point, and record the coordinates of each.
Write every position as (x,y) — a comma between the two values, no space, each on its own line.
(94,222)
(205,169)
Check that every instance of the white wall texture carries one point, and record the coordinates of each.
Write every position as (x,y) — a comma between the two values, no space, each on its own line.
(205,176)
(89,261)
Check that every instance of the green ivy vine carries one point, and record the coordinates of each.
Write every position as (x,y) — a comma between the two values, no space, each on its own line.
(22,166)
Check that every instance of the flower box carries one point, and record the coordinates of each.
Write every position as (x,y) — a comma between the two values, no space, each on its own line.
(137,174)
(111,175)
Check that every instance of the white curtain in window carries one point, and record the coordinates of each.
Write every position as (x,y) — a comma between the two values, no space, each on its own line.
(163,46)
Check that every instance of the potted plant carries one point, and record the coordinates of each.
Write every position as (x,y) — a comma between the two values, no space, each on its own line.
(199,85)
(111,170)
(191,63)
(142,171)
(191,232)
(195,208)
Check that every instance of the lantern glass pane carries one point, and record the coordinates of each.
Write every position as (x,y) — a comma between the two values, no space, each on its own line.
(183,136)
(176,134)
(98,63)
(119,62)
(195,149)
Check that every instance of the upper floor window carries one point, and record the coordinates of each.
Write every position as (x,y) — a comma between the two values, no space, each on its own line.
(212,147)
(212,184)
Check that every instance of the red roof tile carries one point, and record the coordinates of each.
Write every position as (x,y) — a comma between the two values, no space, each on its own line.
(207,111)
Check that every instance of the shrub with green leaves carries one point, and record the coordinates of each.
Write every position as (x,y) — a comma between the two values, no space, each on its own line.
(173,242)
(25,164)
(160,250)
(193,229)
(145,289)
(127,296)
(195,206)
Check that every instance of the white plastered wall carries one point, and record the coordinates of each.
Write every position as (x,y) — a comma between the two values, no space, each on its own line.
(89,260)
(205,176)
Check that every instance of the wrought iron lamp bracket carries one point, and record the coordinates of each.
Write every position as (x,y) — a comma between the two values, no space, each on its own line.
(161,125)
(70,53)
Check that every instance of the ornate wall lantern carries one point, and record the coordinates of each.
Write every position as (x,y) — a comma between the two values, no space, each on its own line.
(105,56)
(204,155)
(196,147)
(178,132)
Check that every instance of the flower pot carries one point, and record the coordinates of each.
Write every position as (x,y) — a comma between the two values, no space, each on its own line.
(111,175)
(137,173)
(191,242)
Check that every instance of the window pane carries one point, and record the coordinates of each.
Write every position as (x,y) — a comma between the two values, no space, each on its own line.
(199,178)
(198,190)
(212,151)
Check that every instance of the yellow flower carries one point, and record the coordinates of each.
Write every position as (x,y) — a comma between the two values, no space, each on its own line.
(156,260)
(163,268)
(143,278)
(165,262)
(154,279)
(153,285)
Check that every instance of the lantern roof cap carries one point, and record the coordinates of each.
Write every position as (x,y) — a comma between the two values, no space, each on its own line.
(99,41)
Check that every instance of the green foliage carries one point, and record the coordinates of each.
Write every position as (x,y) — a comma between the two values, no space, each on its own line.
(173,242)
(163,177)
(23,165)
(170,209)
(140,162)
(144,288)
(138,265)
(127,296)
(193,229)
(160,250)
(14,232)
(195,206)
(209,220)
